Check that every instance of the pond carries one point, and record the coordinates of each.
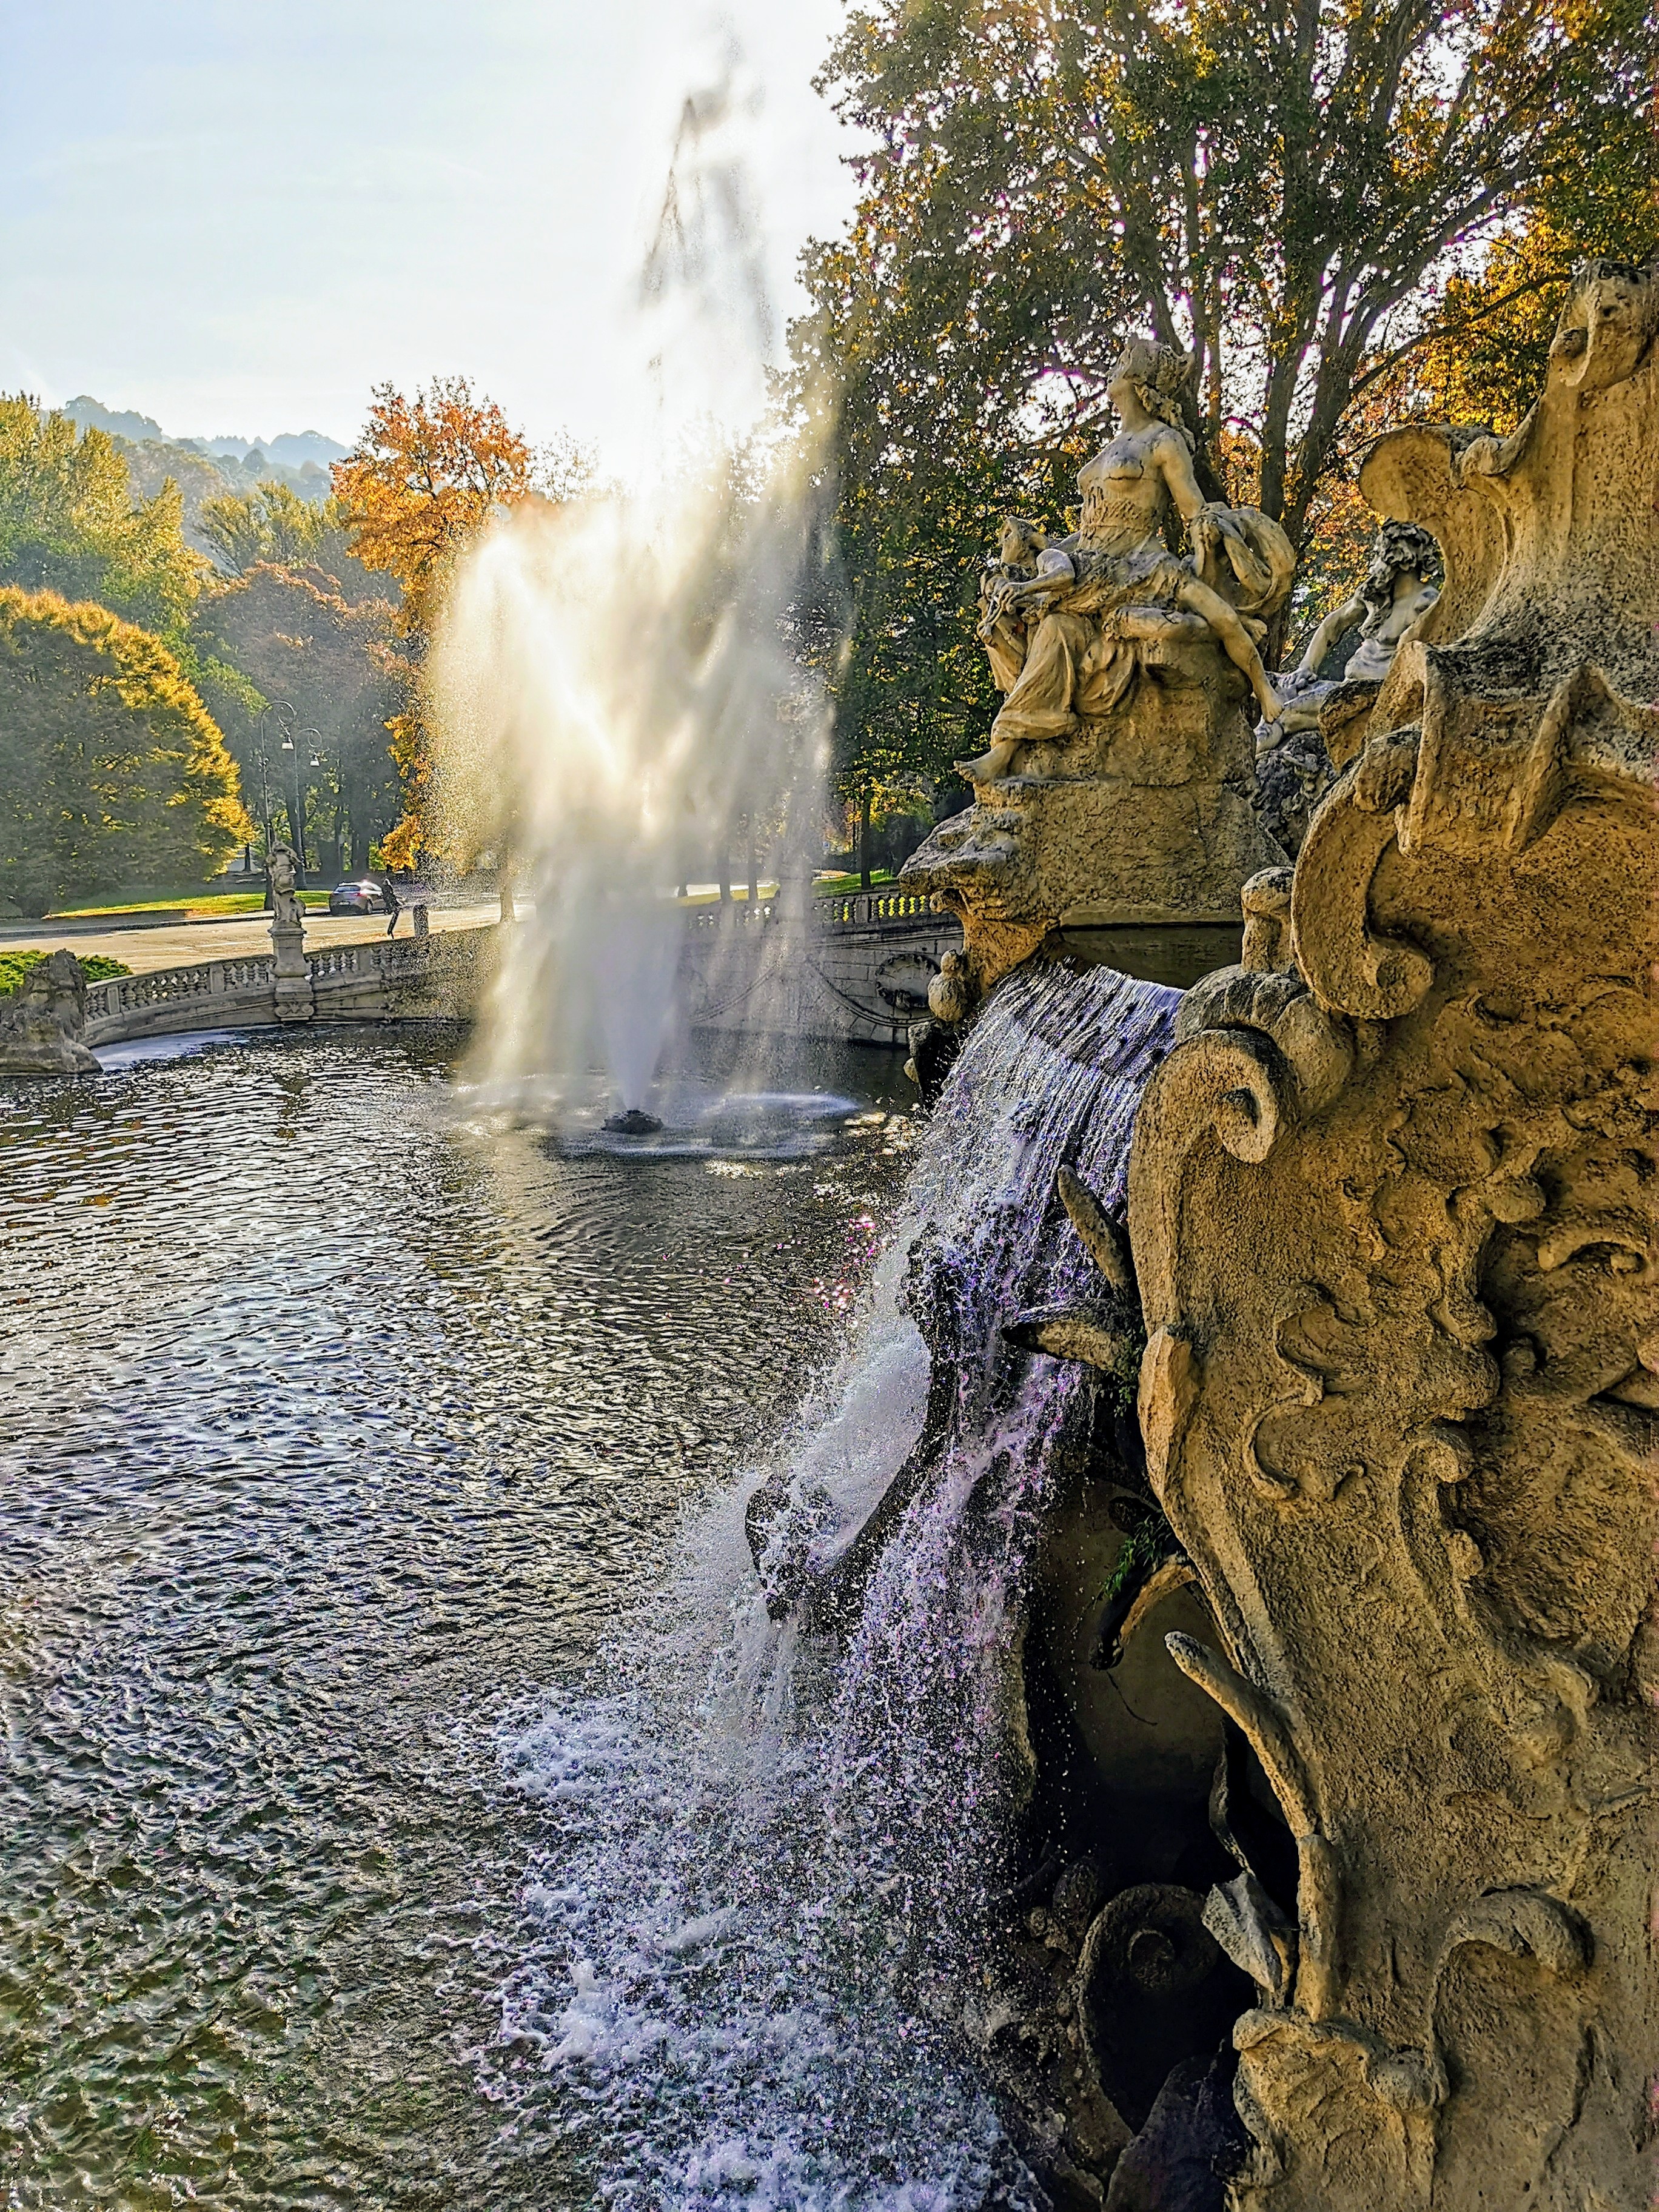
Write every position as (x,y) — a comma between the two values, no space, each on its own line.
(345,1411)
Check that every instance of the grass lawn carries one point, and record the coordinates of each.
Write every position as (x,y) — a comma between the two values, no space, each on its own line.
(14,966)
(839,886)
(207,903)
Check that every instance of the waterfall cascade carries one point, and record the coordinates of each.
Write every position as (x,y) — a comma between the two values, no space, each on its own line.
(794,1847)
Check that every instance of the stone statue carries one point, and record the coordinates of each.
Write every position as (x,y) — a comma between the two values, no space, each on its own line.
(40,1023)
(1401,583)
(1294,767)
(1093,600)
(1392,1204)
(1114,812)
(283,865)
(295,995)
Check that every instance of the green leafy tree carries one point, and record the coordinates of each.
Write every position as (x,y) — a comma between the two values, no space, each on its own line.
(292,641)
(113,774)
(1287,189)
(68,523)
(273,526)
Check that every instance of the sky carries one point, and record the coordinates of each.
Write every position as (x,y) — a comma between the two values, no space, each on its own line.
(237,215)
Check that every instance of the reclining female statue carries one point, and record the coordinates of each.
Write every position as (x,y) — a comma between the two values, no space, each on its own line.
(1065,626)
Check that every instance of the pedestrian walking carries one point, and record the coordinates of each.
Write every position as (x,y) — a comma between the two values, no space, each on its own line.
(394,905)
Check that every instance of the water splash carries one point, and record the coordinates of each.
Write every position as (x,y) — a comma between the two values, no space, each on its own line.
(749,1952)
(617,705)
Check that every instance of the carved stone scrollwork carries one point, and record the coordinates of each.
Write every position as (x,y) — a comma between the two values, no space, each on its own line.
(1393,1209)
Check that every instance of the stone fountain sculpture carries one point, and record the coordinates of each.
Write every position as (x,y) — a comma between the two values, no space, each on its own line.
(1116,794)
(1294,765)
(1386,1520)
(1392,1205)
(41,1023)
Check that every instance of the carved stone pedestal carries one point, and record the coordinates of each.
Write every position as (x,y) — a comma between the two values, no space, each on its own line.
(1142,819)
(1393,1205)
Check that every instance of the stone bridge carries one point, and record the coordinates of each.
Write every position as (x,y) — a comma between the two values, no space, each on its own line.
(857,969)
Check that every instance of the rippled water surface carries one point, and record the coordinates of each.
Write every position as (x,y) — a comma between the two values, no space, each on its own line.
(340,1410)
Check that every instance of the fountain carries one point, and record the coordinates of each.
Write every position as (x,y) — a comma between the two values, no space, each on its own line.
(1207,1692)
(1273,1572)
(1174,1718)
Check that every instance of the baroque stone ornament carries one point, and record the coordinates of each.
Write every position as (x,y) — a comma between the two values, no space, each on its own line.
(41,1023)
(1340,675)
(1116,790)
(1392,1207)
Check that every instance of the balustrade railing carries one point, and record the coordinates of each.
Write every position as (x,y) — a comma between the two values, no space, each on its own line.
(119,1006)
(865,909)
(209,979)
(740,913)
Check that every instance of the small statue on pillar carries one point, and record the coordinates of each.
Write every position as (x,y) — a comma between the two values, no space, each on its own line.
(295,1001)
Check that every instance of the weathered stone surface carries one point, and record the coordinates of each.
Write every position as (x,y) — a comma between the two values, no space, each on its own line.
(1391,1203)
(1337,680)
(41,1023)
(296,999)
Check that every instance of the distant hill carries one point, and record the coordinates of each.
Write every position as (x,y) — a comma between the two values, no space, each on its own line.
(209,468)
(86,414)
(292,450)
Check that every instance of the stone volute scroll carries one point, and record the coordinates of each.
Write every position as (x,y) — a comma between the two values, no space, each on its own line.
(1392,1205)
(1116,794)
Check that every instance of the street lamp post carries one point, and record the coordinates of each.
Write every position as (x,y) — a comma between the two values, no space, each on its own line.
(287,722)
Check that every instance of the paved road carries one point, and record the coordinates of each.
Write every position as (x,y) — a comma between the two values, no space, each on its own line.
(174,945)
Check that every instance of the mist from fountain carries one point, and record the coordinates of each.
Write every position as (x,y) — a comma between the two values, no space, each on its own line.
(614,702)
(744,1969)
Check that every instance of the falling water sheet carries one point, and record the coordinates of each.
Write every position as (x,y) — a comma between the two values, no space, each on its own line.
(747,1937)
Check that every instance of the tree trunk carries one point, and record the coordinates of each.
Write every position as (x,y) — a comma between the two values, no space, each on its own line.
(866,803)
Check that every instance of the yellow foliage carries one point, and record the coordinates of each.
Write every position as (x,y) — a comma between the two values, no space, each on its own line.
(112,771)
(421,480)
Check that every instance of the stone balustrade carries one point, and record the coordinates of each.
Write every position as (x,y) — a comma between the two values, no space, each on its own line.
(858,971)
(434,977)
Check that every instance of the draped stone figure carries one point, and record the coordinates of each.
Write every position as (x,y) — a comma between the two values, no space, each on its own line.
(1294,769)
(1095,598)
(1116,794)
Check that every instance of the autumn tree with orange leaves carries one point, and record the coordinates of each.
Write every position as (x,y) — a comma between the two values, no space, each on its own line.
(420,483)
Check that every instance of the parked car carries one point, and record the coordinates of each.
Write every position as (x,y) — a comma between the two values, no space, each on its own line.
(359,894)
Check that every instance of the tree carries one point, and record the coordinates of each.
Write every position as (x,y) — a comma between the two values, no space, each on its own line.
(1287,189)
(112,771)
(273,524)
(1485,361)
(424,478)
(289,634)
(68,523)
(420,482)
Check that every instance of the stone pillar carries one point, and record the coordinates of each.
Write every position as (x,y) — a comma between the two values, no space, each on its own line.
(295,1000)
